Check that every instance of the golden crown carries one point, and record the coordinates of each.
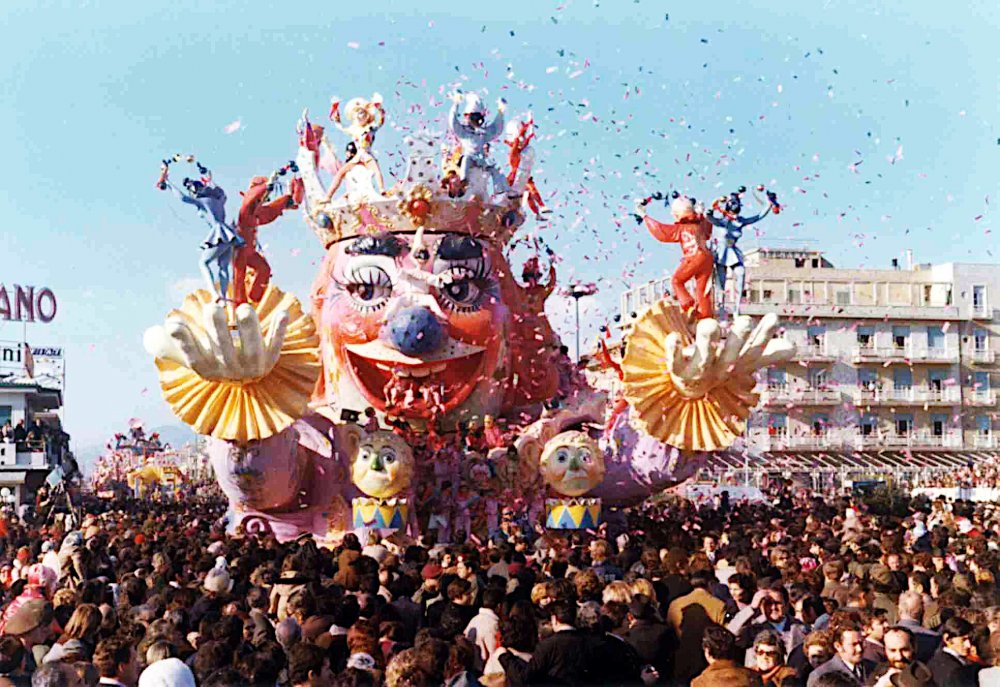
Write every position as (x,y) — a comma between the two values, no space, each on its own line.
(429,196)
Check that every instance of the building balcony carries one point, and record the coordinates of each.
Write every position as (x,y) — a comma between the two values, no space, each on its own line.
(981,397)
(913,395)
(924,313)
(783,394)
(984,441)
(812,352)
(783,441)
(26,457)
(981,311)
(910,440)
(908,354)
(980,356)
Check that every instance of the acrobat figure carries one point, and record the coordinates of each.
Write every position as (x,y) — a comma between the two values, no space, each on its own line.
(731,257)
(620,404)
(536,293)
(474,138)
(518,135)
(209,200)
(692,230)
(258,209)
(366,117)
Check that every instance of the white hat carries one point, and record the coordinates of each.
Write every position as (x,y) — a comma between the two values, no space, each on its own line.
(167,672)
(218,581)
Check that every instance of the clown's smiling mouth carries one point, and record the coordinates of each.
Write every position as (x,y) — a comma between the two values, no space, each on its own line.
(415,388)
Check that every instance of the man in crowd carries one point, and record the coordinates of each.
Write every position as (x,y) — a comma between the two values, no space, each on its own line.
(911,613)
(954,664)
(719,647)
(849,660)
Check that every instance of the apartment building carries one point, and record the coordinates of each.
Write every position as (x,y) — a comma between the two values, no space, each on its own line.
(896,367)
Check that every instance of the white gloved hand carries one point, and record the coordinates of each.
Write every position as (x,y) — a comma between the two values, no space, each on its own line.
(709,362)
(211,351)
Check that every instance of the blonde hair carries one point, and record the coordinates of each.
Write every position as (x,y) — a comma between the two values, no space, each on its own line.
(643,586)
(617,591)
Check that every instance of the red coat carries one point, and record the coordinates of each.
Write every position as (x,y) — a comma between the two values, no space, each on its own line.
(692,233)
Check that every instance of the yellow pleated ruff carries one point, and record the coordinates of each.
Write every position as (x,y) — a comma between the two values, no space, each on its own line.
(710,423)
(254,409)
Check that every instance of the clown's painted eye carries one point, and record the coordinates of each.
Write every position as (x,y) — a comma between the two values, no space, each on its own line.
(369,288)
(388,456)
(562,456)
(463,287)
(585,455)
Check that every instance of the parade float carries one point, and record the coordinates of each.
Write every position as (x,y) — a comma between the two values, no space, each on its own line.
(421,372)
(140,465)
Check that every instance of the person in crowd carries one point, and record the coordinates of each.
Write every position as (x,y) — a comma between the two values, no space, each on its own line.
(849,657)
(911,613)
(955,663)
(769,657)
(719,647)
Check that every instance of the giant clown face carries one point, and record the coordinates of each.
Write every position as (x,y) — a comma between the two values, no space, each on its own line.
(383,465)
(413,325)
(572,463)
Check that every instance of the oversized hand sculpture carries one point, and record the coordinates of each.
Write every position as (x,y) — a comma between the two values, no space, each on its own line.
(209,349)
(692,389)
(244,387)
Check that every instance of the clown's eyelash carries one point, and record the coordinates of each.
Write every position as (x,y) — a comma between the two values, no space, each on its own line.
(477,269)
(372,276)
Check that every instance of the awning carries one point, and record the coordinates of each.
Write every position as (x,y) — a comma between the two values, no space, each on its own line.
(12,477)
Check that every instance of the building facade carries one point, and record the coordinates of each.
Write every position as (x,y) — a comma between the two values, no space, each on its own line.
(31,397)
(895,366)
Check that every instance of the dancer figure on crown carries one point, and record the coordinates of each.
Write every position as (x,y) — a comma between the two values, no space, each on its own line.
(692,230)
(467,122)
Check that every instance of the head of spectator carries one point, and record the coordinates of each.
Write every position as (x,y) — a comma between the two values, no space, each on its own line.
(848,642)
(168,672)
(308,666)
(899,647)
(769,651)
(957,637)
(718,644)
(116,659)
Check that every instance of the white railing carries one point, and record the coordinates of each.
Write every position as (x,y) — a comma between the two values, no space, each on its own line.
(944,355)
(912,394)
(980,355)
(805,395)
(783,440)
(981,397)
(907,352)
(984,441)
(812,351)
(981,310)
(911,440)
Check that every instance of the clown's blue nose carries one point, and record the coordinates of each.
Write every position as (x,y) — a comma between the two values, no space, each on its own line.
(414,331)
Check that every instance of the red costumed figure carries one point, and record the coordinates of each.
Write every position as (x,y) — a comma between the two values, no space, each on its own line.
(620,403)
(522,159)
(692,230)
(257,210)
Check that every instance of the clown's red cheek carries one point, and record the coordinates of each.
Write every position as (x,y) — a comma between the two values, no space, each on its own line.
(351,326)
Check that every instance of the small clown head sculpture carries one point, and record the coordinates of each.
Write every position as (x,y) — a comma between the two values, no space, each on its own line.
(383,465)
(572,463)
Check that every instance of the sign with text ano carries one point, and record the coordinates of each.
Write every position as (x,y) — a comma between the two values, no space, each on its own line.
(27,303)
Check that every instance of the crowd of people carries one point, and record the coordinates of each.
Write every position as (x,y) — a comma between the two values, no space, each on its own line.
(800,590)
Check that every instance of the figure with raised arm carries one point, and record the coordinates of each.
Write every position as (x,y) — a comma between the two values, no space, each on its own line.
(518,135)
(209,201)
(692,230)
(365,118)
(732,223)
(260,208)
(467,122)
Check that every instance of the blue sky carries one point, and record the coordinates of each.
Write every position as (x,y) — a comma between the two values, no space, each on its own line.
(876,122)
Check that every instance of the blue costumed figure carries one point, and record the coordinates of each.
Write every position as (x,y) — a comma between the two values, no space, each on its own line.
(219,246)
(730,256)
(467,121)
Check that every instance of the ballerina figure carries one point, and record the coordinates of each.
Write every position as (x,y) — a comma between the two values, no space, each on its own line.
(222,241)
(366,117)
(731,257)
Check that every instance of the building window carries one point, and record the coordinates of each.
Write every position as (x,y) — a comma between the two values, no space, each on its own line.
(980,340)
(768,295)
(935,338)
(777,424)
(867,378)
(900,335)
(904,425)
(866,337)
(6,413)
(843,295)
(775,377)
(820,424)
(938,424)
(869,425)
(817,377)
(983,426)
(979,298)
(902,378)
(981,383)
(794,296)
